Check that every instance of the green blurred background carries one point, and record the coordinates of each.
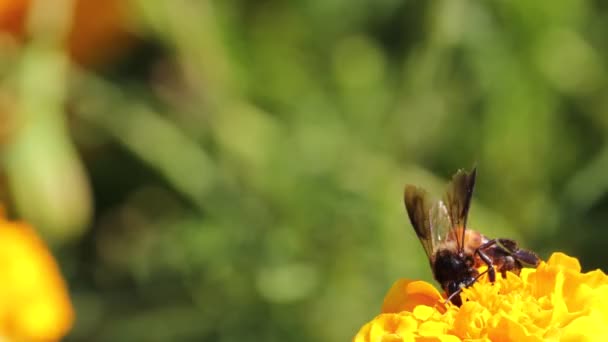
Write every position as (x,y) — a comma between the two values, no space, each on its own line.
(233,170)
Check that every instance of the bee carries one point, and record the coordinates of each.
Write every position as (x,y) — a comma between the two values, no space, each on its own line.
(454,251)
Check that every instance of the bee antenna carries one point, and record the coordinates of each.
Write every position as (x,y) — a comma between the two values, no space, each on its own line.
(449,299)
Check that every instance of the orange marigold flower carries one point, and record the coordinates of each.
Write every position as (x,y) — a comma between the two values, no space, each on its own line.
(34,302)
(553,302)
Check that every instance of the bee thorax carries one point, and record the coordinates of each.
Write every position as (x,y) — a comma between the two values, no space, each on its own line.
(453,268)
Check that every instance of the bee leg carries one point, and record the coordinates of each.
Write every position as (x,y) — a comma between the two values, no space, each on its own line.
(491,270)
(509,264)
(490,243)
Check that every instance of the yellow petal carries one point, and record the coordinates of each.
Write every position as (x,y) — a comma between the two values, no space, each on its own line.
(590,327)
(508,330)
(442,338)
(33,294)
(406,294)
(565,261)
(553,302)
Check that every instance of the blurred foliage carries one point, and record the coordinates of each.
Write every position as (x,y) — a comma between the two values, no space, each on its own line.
(245,159)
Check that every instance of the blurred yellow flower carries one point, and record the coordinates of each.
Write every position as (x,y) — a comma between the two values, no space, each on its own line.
(34,302)
(553,302)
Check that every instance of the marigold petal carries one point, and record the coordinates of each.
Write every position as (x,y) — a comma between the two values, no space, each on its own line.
(509,330)
(590,327)
(363,334)
(391,338)
(432,328)
(555,301)
(594,278)
(470,320)
(423,312)
(442,338)
(565,261)
(406,294)
(384,324)
(407,325)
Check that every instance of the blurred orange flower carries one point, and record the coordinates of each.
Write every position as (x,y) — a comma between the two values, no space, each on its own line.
(553,302)
(12,15)
(98,31)
(34,302)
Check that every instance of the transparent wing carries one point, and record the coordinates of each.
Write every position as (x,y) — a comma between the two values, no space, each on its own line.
(441,225)
(438,221)
(429,219)
(457,201)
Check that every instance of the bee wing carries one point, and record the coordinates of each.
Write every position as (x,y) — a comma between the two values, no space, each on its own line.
(418,209)
(441,224)
(457,200)
(430,221)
